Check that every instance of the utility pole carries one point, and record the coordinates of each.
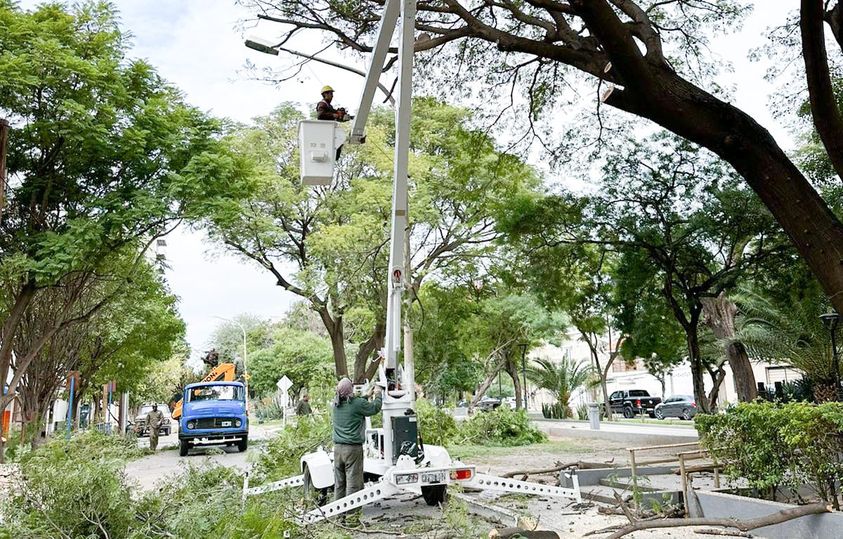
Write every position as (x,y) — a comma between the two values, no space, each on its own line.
(4,143)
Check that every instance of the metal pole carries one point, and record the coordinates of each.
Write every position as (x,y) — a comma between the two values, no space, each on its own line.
(70,408)
(4,137)
(524,374)
(835,362)
(245,369)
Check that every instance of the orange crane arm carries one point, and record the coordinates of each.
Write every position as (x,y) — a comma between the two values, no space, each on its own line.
(224,372)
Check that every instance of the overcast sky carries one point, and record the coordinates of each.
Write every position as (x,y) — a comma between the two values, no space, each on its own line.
(198,46)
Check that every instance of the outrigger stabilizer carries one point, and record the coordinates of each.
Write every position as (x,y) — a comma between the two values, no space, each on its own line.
(396,458)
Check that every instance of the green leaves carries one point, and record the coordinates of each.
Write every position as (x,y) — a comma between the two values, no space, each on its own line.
(773,445)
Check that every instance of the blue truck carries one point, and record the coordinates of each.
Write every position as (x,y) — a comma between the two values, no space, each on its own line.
(213,413)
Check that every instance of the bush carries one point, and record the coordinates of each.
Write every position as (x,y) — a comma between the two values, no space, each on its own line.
(72,488)
(502,426)
(554,411)
(775,446)
(582,412)
(282,454)
(436,426)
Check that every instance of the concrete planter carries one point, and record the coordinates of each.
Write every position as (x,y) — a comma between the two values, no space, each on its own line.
(722,505)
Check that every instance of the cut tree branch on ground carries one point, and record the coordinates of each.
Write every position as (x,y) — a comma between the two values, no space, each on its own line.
(725,533)
(558,467)
(742,525)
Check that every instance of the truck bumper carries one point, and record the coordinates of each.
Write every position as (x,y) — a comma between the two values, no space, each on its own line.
(213,439)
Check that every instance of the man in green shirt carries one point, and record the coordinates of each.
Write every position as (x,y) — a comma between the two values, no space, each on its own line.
(349,414)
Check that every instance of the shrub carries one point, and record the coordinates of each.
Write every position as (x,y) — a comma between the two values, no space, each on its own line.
(72,488)
(437,427)
(553,411)
(282,454)
(502,426)
(582,412)
(776,446)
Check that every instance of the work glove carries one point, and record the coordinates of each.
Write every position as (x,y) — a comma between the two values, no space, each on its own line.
(377,392)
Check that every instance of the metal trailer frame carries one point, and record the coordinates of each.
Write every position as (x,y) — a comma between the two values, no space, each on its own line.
(397,472)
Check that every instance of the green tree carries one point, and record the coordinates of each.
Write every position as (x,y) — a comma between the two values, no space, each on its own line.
(327,245)
(682,224)
(562,379)
(303,357)
(647,58)
(132,335)
(104,156)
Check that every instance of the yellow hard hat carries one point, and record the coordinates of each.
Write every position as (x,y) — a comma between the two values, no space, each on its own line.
(326,89)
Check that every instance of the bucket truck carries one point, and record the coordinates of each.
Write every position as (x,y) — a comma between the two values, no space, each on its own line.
(394,454)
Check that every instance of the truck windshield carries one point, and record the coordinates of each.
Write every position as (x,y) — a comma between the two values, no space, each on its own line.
(216,393)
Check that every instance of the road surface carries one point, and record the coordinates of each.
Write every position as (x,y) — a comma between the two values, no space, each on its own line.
(166,463)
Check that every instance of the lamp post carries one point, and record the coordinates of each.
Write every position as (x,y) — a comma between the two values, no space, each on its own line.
(245,368)
(831,320)
(523,347)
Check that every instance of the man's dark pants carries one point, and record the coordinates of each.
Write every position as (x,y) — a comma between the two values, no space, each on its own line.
(348,469)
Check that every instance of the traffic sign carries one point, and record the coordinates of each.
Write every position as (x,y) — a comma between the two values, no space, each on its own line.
(284,384)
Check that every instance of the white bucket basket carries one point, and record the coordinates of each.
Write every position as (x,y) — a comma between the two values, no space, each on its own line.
(318,144)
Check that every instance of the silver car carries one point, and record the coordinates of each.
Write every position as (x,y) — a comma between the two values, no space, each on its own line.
(681,406)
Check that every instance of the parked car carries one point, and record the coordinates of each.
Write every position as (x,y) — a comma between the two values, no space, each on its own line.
(630,402)
(139,424)
(213,413)
(681,406)
(510,401)
(487,404)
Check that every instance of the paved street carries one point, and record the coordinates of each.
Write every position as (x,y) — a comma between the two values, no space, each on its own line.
(147,471)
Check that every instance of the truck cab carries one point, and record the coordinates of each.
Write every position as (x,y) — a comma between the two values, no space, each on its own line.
(213,413)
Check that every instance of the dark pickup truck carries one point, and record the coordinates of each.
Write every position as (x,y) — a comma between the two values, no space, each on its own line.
(633,401)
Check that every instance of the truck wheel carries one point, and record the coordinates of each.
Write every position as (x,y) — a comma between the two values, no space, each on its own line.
(183,448)
(434,494)
(628,412)
(311,493)
(166,432)
(243,444)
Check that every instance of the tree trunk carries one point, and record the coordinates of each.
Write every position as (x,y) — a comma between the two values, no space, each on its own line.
(334,327)
(484,386)
(719,315)
(697,374)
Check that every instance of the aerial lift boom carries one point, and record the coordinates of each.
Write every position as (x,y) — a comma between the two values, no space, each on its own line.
(393,452)
(224,372)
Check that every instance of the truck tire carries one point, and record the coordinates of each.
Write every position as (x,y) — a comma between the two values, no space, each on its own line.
(183,448)
(434,494)
(311,493)
(628,412)
(167,431)
(243,444)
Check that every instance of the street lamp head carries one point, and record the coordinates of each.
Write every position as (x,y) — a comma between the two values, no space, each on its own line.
(261,46)
(831,320)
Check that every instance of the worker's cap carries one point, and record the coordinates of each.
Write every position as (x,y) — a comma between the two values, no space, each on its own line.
(345,388)
(326,89)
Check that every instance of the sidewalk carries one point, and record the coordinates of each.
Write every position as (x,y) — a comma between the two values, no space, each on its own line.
(635,434)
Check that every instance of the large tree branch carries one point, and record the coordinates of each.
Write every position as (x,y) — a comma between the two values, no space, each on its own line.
(827,117)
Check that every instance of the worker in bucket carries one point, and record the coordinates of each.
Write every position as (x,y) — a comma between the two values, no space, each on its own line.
(326,111)
(348,415)
(154,419)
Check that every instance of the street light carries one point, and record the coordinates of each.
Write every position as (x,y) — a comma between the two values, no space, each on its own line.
(245,368)
(523,347)
(831,320)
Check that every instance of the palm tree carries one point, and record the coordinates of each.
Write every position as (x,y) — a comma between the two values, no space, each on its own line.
(561,379)
(796,337)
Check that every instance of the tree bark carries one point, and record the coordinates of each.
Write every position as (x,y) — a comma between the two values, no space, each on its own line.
(487,382)
(697,372)
(719,315)
(827,118)
(334,327)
